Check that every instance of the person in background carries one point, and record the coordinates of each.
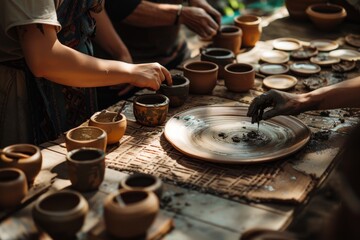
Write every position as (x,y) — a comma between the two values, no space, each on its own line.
(47,74)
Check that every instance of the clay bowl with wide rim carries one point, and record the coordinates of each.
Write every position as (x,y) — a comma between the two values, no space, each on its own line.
(202,76)
(251,29)
(273,69)
(280,82)
(133,210)
(142,181)
(304,53)
(229,37)
(219,56)
(326,16)
(115,130)
(239,77)
(13,187)
(60,214)
(304,68)
(151,109)
(86,136)
(178,92)
(31,165)
(274,56)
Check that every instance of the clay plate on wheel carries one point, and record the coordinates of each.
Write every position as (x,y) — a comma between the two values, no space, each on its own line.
(286,44)
(324,45)
(353,40)
(304,53)
(272,69)
(324,60)
(305,68)
(225,135)
(280,82)
(275,56)
(345,54)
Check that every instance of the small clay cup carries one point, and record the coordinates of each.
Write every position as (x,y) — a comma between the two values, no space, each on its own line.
(31,165)
(326,16)
(86,136)
(13,187)
(202,76)
(134,216)
(219,56)
(178,92)
(228,37)
(60,214)
(86,168)
(151,109)
(142,181)
(239,77)
(115,130)
(251,29)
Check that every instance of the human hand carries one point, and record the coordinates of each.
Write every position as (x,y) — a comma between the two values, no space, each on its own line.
(282,103)
(149,75)
(216,15)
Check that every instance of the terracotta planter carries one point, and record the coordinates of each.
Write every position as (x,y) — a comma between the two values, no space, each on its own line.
(251,29)
(228,37)
(31,165)
(141,181)
(178,92)
(202,76)
(239,77)
(219,56)
(86,168)
(86,136)
(132,218)
(13,187)
(326,16)
(151,109)
(115,130)
(60,214)
(297,8)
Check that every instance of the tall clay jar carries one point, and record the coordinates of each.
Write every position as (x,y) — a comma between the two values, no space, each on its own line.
(13,187)
(251,29)
(228,37)
(202,76)
(219,56)
(31,165)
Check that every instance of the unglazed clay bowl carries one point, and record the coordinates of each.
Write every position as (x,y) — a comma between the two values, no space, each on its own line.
(115,130)
(86,136)
(326,16)
(13,187)
(31,165)
(86,168)
(229,37)
(297,8)
(219,56)
(134,216)
(178,92)
(239,77)
(251,29)
(151,109)
(202,76)
(142,181)
(60,214)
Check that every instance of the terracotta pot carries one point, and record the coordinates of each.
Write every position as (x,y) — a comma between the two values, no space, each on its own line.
(142,181)
(151,109)
(115,130)
(219,56)
(60,214)
(228,37)
(178,92)
(13,187)
(31,165)
(326,16)
(86,167)
(133,217)
(297,8)
(251,29)
(86,136)
(202,76)
(239,77)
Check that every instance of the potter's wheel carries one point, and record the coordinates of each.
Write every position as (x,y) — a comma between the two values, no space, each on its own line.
(226,135)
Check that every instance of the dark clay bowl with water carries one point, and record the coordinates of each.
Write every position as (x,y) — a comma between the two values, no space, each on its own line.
(219,56)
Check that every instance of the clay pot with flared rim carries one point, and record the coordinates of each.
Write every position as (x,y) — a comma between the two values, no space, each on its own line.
(86,136)
(228,37)
(202,76)
(251,29)
(239,77)
(297,8)
(326,16)
(219,56)
(60,214)
(178,92)
(115,130)
(86,168)
(151,109)
(132,218)
(142,181)
(31,165)
(13,187)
